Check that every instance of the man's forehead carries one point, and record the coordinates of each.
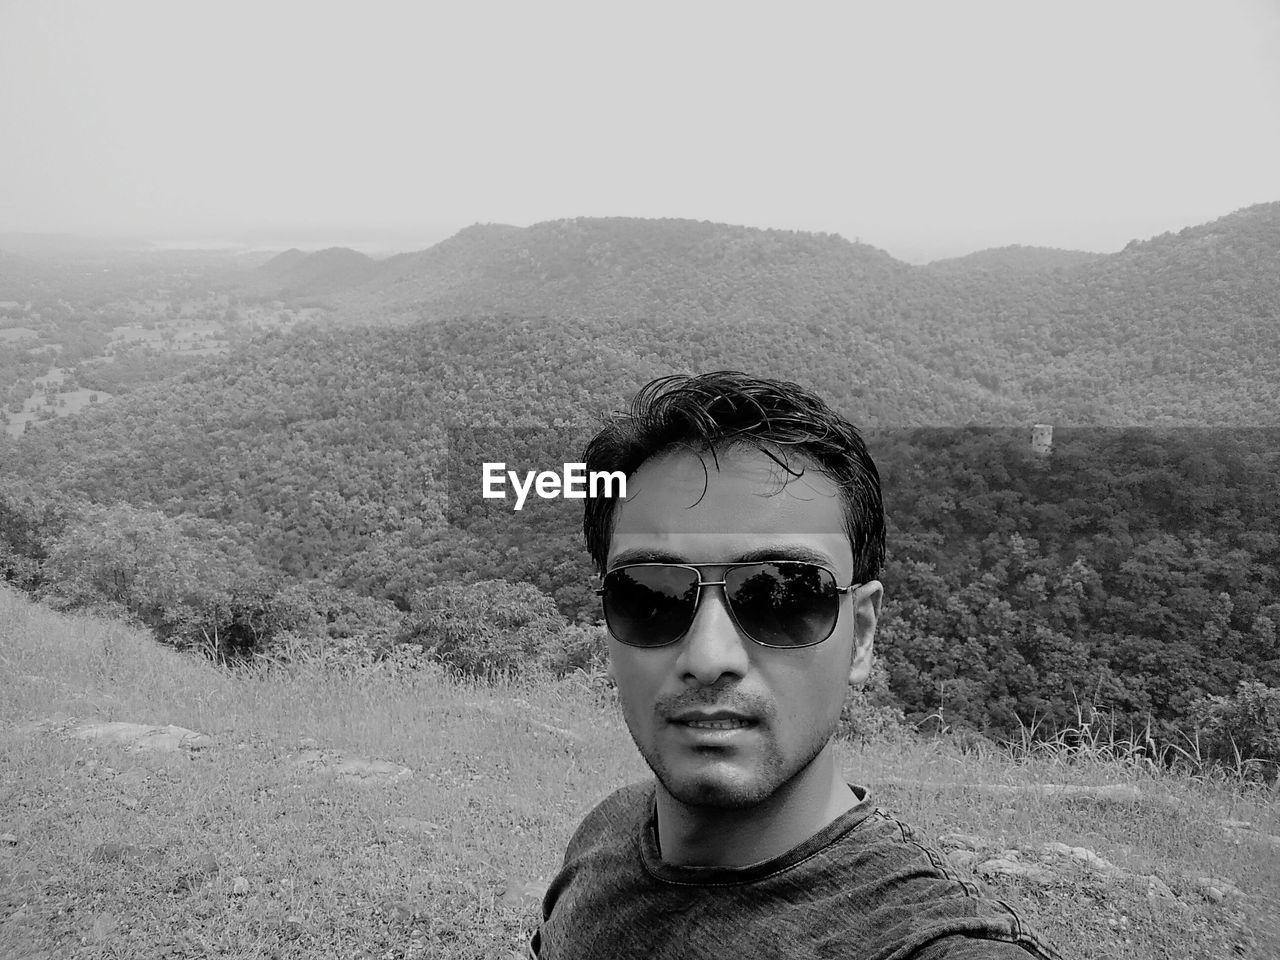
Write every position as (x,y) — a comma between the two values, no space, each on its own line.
(771,471)
(739,505)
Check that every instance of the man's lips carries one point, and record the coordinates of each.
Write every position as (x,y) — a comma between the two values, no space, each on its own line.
(713,719)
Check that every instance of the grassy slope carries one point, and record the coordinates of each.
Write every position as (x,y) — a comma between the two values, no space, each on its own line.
(326,873)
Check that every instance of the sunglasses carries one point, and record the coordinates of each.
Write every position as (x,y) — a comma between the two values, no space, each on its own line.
(779,603)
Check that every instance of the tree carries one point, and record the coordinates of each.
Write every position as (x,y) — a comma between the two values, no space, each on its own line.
(180,576)
(1244,727)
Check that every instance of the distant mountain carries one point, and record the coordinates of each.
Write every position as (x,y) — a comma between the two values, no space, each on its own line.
(1183,328)
(282,264)
(297,274)
(1179,329)
(612,266)
(622,266)
(1015,260)
(1240,251)
(560,322)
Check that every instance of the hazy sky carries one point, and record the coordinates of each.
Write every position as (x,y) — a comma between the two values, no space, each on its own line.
(924,128)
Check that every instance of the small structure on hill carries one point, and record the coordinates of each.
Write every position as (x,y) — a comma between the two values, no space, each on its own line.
(1042,439)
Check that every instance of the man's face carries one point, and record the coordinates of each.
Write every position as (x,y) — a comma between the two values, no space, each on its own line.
(683,508)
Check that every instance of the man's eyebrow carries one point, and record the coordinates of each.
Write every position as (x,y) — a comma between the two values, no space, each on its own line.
(781,551)
(645,555)
(784,551)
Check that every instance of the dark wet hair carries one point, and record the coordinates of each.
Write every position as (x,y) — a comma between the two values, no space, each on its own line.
(725,409)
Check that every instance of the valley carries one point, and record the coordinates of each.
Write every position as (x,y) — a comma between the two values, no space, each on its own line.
(281,433)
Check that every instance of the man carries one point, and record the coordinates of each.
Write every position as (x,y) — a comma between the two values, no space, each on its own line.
(740,594)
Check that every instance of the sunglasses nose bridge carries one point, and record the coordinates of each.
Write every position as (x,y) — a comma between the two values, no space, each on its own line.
(710,592)
(714,645)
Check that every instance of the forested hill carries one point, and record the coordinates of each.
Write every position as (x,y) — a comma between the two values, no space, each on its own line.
(1181,329)
(619,267)
(1135,567)
(627,267)
(1015,260)
(348,414)
(294,273)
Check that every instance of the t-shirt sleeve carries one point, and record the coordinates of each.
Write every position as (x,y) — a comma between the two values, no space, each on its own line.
(618,815)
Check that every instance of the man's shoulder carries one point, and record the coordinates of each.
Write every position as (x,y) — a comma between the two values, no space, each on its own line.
(619,816)
(868,883)
(634,796)
(599,875)
(882,830)
(952,914)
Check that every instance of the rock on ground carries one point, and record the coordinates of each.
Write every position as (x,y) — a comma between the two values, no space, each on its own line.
(141,736)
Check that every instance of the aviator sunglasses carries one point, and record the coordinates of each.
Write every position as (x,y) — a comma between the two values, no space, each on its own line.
(778,603)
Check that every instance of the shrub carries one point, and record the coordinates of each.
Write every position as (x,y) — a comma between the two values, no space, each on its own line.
(292,649)
(172,573)
(185,578)
(873,713)
(339,613)
(579,647)
(487,628)
(28,523)
(1243,730)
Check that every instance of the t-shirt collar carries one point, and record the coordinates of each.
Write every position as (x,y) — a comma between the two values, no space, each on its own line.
(651,856)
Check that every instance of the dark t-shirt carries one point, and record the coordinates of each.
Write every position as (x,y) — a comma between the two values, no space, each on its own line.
(863,887)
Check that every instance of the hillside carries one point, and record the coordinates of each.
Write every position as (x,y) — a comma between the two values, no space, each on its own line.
(331,455)
(297,274)
(627,267)
(282,264)
(469,793)
(1181,329)
(326,453)
(1015,260)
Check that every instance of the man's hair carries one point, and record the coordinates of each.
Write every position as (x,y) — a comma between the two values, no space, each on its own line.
(725,409)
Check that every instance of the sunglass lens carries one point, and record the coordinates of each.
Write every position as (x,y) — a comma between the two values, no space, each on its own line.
(784,604)
(650,606)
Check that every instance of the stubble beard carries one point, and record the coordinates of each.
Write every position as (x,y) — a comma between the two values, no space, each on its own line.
(713,791)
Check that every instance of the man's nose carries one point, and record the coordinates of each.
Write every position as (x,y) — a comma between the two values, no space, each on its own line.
(713,647)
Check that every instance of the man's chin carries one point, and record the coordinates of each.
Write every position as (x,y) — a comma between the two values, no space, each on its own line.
(710,791)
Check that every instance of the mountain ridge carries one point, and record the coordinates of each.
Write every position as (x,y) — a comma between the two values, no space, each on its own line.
(1178,329)
(1015,258)
(496,241)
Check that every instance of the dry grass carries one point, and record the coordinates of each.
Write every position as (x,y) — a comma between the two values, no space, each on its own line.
(308,865)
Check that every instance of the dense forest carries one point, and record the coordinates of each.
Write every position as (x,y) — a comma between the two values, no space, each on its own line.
(326,478)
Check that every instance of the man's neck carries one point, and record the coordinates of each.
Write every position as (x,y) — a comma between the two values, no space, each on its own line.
(701,836)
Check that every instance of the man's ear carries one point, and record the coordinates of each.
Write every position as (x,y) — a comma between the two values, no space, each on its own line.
(866,613)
